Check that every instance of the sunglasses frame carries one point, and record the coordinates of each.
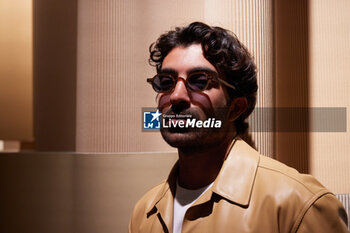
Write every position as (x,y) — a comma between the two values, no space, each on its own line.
(210,77)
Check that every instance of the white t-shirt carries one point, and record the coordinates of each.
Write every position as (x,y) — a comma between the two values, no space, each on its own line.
(183,200)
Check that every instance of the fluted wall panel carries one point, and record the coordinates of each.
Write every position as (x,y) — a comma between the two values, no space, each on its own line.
(113,66)
(54,74)
(113,41)
(291,61)
(330,87)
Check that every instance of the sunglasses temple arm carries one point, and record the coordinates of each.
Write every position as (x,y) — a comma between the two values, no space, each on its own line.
(227,84)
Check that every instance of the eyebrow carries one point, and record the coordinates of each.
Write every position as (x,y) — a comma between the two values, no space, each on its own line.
(167,71)
(195,69)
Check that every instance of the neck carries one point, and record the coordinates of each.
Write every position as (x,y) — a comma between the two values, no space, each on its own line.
(200,167)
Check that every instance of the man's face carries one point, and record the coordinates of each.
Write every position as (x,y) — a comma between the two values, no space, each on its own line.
(210,103)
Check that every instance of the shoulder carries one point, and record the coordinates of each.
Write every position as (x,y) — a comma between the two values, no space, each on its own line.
(273,169)
(289,186)
(271,173)
(314,207)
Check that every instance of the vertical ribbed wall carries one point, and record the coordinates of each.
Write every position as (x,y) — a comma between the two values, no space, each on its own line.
(330,87)
(107,67)
(291,49)
(54,74)
(113,40)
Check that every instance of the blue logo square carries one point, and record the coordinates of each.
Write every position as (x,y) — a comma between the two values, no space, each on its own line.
(151,119)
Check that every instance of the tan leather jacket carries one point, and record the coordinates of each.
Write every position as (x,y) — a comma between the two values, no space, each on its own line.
(252,193)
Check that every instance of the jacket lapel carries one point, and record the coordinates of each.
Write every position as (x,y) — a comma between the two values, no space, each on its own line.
(161,210)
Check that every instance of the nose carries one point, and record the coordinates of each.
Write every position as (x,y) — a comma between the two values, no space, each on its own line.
(179,97)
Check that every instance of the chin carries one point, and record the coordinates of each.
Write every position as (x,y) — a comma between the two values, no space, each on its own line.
(179,139)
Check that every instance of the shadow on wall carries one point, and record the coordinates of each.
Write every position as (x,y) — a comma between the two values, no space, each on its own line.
(292,80)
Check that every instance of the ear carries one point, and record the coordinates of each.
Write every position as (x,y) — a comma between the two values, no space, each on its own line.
(238,106)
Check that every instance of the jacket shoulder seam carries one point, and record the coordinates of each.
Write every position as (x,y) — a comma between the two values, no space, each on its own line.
(295,179)
(306,208)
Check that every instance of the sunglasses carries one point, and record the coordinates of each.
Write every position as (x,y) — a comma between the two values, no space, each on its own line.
(196,81)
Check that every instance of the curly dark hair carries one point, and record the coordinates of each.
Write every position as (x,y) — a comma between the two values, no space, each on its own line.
(224,51)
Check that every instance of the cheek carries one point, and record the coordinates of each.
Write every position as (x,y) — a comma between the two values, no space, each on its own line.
(218,98)
(210,102)
(163,101)
(202,100)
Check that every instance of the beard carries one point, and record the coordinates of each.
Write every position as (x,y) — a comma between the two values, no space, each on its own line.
(197,138)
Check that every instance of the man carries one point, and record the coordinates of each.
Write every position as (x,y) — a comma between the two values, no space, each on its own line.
(221,184)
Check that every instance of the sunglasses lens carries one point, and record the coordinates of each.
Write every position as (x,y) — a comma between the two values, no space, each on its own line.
(197,82)
(163,83)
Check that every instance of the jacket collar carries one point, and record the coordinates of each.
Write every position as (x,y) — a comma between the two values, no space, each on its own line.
(163,202)
(234,182)
(236,178)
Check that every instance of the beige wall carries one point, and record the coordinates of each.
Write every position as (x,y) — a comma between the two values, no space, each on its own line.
(54,70)
(75,193)
(312,64)
(329,86)
(113,41)
(16,51)
(291,71)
